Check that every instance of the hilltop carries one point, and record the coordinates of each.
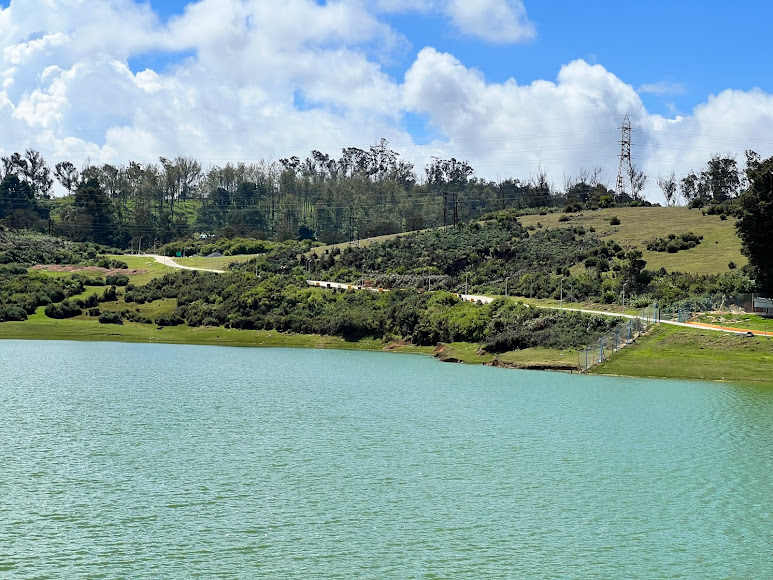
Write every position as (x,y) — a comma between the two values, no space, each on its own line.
(720,244)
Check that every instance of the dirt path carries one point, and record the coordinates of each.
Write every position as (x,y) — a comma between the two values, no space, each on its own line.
(488,299)
(167,261)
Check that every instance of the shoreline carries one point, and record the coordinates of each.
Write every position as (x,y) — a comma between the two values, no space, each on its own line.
(651,357)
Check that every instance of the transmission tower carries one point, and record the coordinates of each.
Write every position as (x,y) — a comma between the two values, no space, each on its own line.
(625,170)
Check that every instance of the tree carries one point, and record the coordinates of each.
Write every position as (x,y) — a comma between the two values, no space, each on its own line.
(32,169)
(638,181)
(755,223)
(721,179)
(66,173)
(688,187)
(90,199)
(667,185)
(632,268)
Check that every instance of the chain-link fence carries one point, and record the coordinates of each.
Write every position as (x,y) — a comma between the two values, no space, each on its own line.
(619,337)
(683,310)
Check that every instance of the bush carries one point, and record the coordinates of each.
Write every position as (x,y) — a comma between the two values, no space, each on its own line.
(117,280)
(169,320)
(9,313)
(65,309)
(609,297)
(674,243)
(109,295)
(614,221)
(732,265)
(110,318)
(94,312)
(135,316)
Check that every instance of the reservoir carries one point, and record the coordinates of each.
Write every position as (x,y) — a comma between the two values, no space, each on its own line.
(163,461)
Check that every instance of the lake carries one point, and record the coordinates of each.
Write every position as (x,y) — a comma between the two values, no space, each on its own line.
(162,461)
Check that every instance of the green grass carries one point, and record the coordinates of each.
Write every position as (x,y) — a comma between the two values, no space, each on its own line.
(749,321)
(719,246)
(38,327)
(214,263)
(538,358)
(529,358)
(685,353)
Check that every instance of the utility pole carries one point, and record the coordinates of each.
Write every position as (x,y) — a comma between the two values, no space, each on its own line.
(445,209)
(139,247)
(466,279)
(456,211)
(506,279)
(625,168)
(561,301)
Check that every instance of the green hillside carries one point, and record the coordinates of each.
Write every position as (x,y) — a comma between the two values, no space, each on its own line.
(719,246)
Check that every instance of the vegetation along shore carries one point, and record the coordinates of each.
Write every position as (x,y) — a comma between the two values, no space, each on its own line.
(78,267)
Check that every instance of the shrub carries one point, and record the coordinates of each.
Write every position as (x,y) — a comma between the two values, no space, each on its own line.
(94,312)
(564,218)
(117,280)
(732,265)
(9,313)
(110,318)
(65,309)
(609,297)
(614,221)
(135,316)
(169,320)
(109,295)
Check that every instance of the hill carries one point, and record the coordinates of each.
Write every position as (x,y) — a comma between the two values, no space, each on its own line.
(719,246)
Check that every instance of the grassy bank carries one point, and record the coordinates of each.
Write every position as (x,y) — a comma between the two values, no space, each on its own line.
(684,353)
(665,352)
(42,328)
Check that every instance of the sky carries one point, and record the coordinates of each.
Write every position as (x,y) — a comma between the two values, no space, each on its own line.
(511,86)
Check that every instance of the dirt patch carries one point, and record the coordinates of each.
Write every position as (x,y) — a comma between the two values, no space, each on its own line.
(74,268)
(565,367)
(397,344)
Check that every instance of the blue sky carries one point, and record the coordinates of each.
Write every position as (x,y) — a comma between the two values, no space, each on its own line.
(513,86)
(694,49)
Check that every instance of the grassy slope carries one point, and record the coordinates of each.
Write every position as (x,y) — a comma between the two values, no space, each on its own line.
(214,263)
(668,351)
(39,327)
(719,246)
(683,353)
(745,321)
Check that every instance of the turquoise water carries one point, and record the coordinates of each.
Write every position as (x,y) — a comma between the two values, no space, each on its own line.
(158,461)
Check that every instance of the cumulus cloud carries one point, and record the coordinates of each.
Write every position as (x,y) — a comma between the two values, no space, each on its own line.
(498,21)
(495,21)
(242,80)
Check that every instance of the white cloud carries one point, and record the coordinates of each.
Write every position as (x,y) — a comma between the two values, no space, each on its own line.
(495,21)
(257,82)
(500,21)
(663,88)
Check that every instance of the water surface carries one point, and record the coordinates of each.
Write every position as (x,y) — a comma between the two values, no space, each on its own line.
(162,461)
